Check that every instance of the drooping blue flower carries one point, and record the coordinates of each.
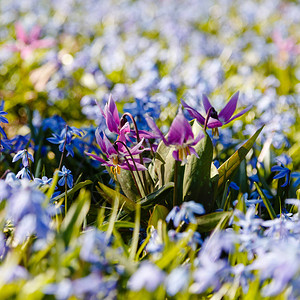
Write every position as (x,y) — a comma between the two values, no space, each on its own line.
(25,155)
(66,176)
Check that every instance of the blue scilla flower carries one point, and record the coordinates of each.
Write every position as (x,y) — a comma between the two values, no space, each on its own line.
(148,276)
(64,139)
(177,280)
(25,155)
(66,175)
(282,172)
(296,175)
(185,213)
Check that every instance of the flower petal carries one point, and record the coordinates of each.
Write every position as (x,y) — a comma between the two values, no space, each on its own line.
(239,114)
(180,130)
(154,128)
(226,113)
(193,113)
(206,103)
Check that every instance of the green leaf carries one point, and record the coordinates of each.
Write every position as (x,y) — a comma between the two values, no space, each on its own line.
(231,164)
(160,212)
(266,202)
(127,184)
(71,225)
(196,180)
(110,195)
(160,162)
(73,190)
(208,222)
(157,196)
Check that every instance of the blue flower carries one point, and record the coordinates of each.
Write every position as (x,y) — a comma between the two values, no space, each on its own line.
(177,280)
(185,213)
(283,172)
(296,175)
(66,175)
(148,276)
(25,155)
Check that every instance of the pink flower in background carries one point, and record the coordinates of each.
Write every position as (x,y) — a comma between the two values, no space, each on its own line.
(27,42)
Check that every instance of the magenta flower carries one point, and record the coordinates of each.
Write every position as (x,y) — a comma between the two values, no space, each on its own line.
(213,119)
(120,126)
(117,155)
(27,43)
(180,136)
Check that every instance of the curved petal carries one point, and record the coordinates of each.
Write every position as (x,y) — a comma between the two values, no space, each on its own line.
(180,130)
(213,123)
(112,107)
(206,103)
(226,113)
(176,154)
(239,114)
(154,128)
(193,151)
(193,113)
(96,157)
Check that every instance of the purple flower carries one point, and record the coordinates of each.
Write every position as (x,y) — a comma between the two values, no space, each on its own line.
(213,119)
(117,155)
(148,276)
(112,118)
(180,136)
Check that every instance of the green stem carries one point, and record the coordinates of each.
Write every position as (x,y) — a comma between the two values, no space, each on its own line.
(143,186)
(175,191)
(140,155)
(66,196)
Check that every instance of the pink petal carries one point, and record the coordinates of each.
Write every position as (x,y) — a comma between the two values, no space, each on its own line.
(180,130)
(34,33)
(226,113)
(96,157)
(45,43)
(20,33)
(113,109)
(154,128)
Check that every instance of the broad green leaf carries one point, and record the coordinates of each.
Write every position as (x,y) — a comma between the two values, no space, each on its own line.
(266,202)
(196,180)
(71,225)
(231,164)
(73,190)
(160,212)
(160,162)
(160,195)
(127,184)
(109,195)
(208,222)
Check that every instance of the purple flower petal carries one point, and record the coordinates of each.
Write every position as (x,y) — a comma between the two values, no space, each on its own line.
(180,130)
(193,113)
(206,103)
(229,109)
(239,114)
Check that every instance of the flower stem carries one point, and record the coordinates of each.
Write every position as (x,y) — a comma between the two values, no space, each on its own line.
(140,155)
(131,168)
(175,191)
(66,196)
(62,154)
